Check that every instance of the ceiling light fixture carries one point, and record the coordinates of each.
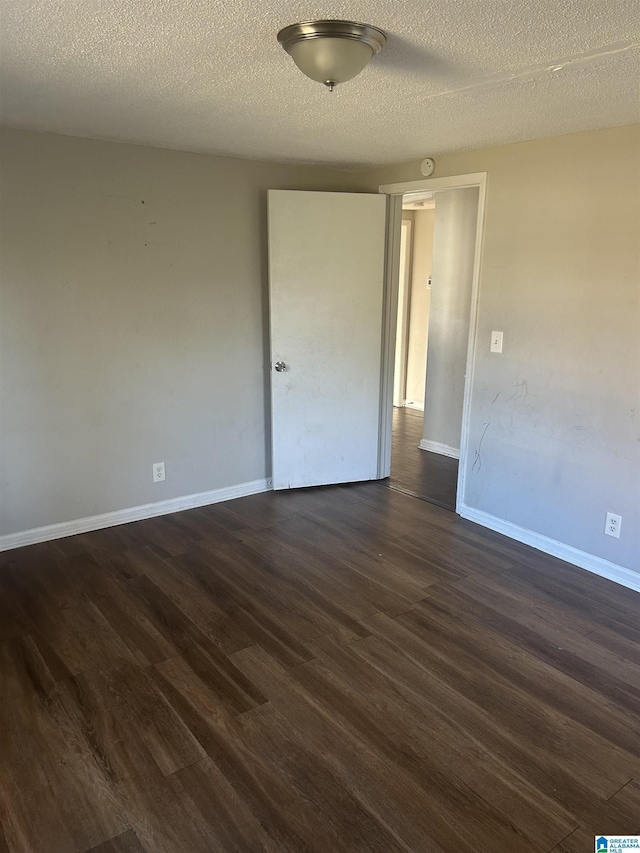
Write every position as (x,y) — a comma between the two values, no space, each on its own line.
(331,52)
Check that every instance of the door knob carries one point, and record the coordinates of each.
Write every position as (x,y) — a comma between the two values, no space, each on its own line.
(280,366)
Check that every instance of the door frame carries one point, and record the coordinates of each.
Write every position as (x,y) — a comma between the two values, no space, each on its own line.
(403,324)
(395,194)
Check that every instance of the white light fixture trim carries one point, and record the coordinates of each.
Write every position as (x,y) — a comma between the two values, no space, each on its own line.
(331,52)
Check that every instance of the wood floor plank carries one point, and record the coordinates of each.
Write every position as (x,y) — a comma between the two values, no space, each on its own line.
(396,514)
(628,798)
(355,758)
(354,589)
(161,822)
(116,565)
(126,843)
(14,620)
(522,588)
(119,710)
(303,611)
(625,821)
(570,589)
(179,578)
(451,625)
(248,580)
(316,607)
(80,637)
(140,636)
(263,617)
(237,828)
(164,613)
(450,551)
(359,554)
(417,684)
(403,559)
(197,705)
(624,648)
(377,786)
(30,815)
(505,701)
(363,697)
(258,785)
(169,535)
(326,797)
(136,743)
(57,793)
(562,642)
(111,541)
(294,558)
(232,688)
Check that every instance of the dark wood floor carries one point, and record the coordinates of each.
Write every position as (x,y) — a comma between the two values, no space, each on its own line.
(429,476)
(347,669)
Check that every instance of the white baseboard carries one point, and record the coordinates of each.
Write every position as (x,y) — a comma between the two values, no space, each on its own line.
(410,405)
(438,447)
(611,571)
(134,513)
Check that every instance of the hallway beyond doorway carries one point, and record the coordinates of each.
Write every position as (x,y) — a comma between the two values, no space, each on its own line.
(426,475)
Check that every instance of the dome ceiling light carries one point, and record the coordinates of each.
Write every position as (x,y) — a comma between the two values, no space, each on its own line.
(331,52)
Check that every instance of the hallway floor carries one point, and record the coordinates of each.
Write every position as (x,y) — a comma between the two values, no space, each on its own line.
(421,473)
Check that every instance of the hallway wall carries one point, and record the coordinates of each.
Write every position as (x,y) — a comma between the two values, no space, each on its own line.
(419,306)
(454,237)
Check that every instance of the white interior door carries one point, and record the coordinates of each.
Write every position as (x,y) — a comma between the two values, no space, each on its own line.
(326,275)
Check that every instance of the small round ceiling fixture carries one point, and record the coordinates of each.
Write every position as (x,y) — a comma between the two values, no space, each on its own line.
(331,52)
(428,167)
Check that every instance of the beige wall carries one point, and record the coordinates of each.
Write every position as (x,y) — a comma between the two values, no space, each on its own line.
(419,311)
(454,238)
(554,437)
(402,318)
(133,323)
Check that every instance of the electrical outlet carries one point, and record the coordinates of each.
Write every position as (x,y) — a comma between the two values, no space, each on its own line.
(612,525)
(158,472)
(496,341)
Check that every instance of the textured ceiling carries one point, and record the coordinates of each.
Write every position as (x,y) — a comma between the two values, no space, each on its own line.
(209,75)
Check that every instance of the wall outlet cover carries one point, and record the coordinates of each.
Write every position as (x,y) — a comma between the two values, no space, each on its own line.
(612,525)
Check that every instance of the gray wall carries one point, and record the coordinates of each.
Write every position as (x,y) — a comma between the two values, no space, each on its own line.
(133,320)
(420,304)
(454,241)
(560,409)
(116,354)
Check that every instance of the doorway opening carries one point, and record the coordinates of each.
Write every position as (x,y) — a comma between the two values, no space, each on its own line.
(436,301)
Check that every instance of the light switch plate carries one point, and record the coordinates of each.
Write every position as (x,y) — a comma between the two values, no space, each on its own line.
(496,341)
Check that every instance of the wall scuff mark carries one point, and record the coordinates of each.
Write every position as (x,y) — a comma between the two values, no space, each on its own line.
(477,462)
